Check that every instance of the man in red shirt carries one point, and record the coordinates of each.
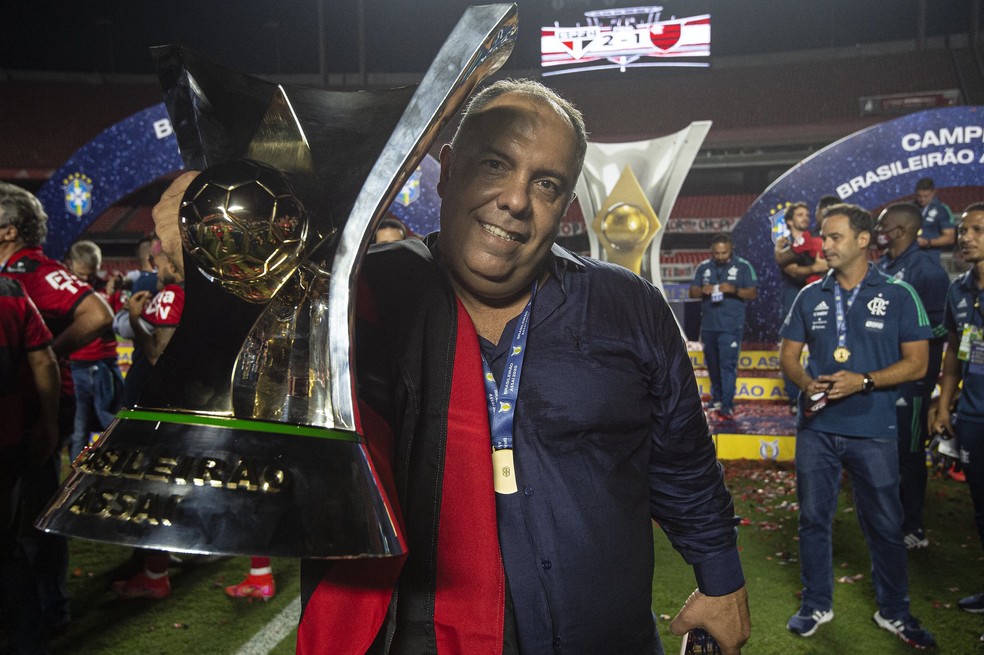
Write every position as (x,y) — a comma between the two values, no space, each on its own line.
(76,315)
(800,260)
(153,321)
(95,371)
(29,388)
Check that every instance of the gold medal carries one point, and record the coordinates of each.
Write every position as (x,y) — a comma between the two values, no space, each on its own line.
(504,471)
(841,354)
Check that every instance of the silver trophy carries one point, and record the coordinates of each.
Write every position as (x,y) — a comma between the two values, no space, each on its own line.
(247,439)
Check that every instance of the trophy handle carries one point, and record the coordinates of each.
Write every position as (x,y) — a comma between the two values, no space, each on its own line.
(459,67)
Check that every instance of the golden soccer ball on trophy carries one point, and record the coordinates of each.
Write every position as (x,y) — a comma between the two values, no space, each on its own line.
(244,227)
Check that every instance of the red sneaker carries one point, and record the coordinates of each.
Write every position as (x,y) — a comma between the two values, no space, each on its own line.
(957,475)
(254,586)
(142,586)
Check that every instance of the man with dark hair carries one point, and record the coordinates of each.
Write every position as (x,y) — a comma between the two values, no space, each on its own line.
(800,259)
(963,373)
(153,319)
(826,201)
(938,232)
(867,334)
(144,278)
(490,510)
(895,235)
(723,283)
(390,229)
(76,315)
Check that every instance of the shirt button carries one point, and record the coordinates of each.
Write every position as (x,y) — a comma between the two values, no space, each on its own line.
(546,564)
(528,491)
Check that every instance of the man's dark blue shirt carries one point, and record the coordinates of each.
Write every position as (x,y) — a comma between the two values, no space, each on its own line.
(609,434)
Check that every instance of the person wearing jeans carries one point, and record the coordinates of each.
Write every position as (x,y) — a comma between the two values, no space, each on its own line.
(867,333)
(723,283)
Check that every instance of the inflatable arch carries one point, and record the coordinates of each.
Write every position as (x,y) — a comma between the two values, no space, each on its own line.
(141,149)
(870,168)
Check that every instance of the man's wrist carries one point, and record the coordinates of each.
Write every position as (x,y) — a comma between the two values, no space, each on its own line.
(720,575)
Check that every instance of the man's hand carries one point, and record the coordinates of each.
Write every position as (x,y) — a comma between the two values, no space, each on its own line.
(728,288)
(726,618)
(136,305)
(842,384)
(165,213)
(941,422)
(923,243)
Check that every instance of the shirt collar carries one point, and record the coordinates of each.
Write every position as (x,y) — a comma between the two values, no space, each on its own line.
(871,278)
(967,282)
(913,247)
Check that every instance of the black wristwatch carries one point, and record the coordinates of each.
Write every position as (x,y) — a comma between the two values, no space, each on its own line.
(868,383)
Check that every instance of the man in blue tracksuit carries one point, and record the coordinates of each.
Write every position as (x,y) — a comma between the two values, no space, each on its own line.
(867,333)
(723,283)
(938,233)
(963,373)
(896,234)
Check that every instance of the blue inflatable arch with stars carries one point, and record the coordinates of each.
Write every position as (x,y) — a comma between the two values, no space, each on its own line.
(870,168)
(143,148)
(123,158)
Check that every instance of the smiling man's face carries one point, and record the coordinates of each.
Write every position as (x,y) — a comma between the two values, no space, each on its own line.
(504,188)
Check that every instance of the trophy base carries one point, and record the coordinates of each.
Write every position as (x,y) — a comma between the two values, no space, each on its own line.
(203,484)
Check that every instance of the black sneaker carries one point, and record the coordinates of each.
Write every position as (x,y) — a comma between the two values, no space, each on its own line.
(907,629)
(973,604)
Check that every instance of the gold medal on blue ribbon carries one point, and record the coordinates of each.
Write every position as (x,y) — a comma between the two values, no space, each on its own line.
(504,472)
(841,354)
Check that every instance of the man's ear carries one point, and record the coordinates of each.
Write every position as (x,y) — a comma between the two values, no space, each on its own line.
(864,239)
(9,232)
(446,158)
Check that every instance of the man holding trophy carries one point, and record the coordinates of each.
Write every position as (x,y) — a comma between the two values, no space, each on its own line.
(605,434)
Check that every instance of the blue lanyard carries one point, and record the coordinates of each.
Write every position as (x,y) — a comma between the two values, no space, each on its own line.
(502,401)
(842,312)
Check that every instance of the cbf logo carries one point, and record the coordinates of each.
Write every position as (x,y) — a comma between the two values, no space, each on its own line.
(78,194)
(411,190)
(877,306)
(777,217)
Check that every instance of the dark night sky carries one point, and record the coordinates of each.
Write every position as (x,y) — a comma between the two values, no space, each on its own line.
(402,35)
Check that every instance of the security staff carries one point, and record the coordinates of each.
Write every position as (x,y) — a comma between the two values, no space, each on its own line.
(938,233)
(896,234)
(723,283)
